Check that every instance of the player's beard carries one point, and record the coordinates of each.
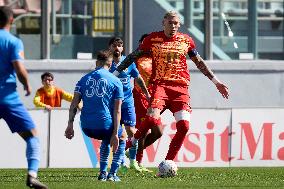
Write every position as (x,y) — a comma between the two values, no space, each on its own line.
(116,54)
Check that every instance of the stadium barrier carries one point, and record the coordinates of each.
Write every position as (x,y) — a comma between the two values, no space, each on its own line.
(217,138)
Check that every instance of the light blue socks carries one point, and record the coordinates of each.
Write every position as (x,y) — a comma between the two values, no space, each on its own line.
(118,156)
(33,155)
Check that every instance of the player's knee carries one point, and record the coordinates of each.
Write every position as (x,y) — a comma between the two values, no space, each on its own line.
(123,135)
(154,113)
(130,131)
(27,134)
(182,115)
(153,121)
(182,118)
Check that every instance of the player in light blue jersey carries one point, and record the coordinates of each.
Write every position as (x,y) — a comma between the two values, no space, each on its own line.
(102,95)
(11,108)
(128,116)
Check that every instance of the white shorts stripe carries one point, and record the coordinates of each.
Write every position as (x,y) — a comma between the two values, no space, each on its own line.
(182,115)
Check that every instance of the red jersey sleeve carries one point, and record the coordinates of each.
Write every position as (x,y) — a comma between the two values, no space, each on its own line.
(191,44)
(191,47)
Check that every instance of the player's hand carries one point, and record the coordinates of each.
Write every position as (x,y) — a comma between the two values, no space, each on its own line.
(28,90)
(148,96)
(80,106)
(114,142)
(48,107)
(223,89)
(69,132)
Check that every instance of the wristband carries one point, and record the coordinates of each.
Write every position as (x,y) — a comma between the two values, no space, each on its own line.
(215,80)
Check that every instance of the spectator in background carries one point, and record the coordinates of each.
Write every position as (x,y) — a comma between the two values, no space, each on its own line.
(49,96)
(12,109)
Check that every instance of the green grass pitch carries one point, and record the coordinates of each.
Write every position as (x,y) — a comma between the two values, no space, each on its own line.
(187,178)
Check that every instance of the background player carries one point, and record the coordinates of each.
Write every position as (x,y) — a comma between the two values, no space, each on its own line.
(102,95)
(144,66)
(128,109)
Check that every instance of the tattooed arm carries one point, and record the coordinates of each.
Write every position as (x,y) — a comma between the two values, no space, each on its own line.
(140,82)
(201,65)
(129,60)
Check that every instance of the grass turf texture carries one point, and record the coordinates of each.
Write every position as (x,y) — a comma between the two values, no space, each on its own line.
(187,178)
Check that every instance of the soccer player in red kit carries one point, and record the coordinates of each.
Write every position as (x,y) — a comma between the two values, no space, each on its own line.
(170,78)
(144,66)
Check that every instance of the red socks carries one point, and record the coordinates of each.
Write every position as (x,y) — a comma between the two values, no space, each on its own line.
(147,124)
(128,143)
(176,143)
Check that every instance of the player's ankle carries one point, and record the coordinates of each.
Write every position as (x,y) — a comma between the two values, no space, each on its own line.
(32,173)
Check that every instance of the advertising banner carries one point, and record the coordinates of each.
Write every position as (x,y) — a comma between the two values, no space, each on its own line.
(205,145)
(13,147)
(216,138)
(257,137)
(64,152)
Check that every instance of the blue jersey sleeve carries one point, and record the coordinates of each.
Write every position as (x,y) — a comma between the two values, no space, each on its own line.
(134,71)
(118,93)
(78,87)
(17,51)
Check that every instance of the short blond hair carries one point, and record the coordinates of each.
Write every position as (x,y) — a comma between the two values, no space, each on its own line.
(171,14)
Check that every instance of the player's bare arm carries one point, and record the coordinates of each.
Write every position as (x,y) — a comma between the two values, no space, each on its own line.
(116,121)
(69,132)
(201,65)
(129,60)
(22,75)
(73,107)
(140,82)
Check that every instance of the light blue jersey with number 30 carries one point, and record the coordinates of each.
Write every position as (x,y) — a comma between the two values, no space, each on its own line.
(99,89)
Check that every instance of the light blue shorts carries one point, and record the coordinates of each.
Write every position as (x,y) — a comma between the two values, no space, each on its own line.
(17,117)
(128,116)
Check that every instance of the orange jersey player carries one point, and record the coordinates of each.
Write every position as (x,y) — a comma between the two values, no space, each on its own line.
(144,66)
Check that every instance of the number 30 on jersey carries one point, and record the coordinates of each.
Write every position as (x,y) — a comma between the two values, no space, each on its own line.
(97,88)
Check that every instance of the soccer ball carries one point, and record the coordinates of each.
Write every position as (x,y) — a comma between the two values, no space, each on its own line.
(167,168)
